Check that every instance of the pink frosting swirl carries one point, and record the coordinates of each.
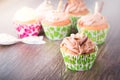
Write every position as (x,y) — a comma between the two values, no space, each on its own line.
(78,44)
(76,6)
(92,20)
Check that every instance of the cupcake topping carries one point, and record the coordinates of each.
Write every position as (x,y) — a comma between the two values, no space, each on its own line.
(56,18)
(78,44)
(44,7)
(95,19)
(92,20)
(25,14)
(76,6)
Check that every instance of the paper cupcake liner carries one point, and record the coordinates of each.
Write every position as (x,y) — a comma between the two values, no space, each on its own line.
(74,22)
(98,36)
(28,30)
(79,62)
(57,32)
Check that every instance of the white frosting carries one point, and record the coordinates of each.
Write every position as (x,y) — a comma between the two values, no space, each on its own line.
(25,14)
(43,8)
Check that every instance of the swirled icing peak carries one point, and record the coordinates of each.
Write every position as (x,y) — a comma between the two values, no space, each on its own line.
(76,7)
(56,18)
(43,8)
(92,20)
(78,44)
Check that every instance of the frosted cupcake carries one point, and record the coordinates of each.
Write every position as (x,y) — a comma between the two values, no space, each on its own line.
(56,25)
(94,26)
(27,23)
(79,52)
(75,9)
(43,9)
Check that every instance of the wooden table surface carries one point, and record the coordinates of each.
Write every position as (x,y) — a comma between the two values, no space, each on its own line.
(44,62)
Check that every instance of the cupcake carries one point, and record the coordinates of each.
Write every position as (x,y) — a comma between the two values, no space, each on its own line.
(56,25)
(79,52)
(94,26)
(27,23)
(75,9)
(43,9)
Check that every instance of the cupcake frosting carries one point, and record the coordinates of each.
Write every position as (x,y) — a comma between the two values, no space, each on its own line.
(43,8)
(25,14)
(76,7)
(92,20)
(56,18)
(78,44)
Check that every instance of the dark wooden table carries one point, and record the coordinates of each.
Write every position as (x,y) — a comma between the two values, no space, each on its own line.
(44,62)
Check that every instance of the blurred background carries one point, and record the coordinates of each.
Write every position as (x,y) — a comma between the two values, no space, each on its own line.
(9,7)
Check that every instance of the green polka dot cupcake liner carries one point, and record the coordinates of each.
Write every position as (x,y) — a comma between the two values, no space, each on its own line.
(74,22)
(57,32)
(79,62)
(98,36)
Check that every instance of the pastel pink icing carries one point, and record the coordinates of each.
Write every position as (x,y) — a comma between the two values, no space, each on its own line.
(93,20)
(78,44)
(75,6)
(55,16)
(44,8)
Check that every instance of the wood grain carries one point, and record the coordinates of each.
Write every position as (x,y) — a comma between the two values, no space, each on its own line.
(44,62)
